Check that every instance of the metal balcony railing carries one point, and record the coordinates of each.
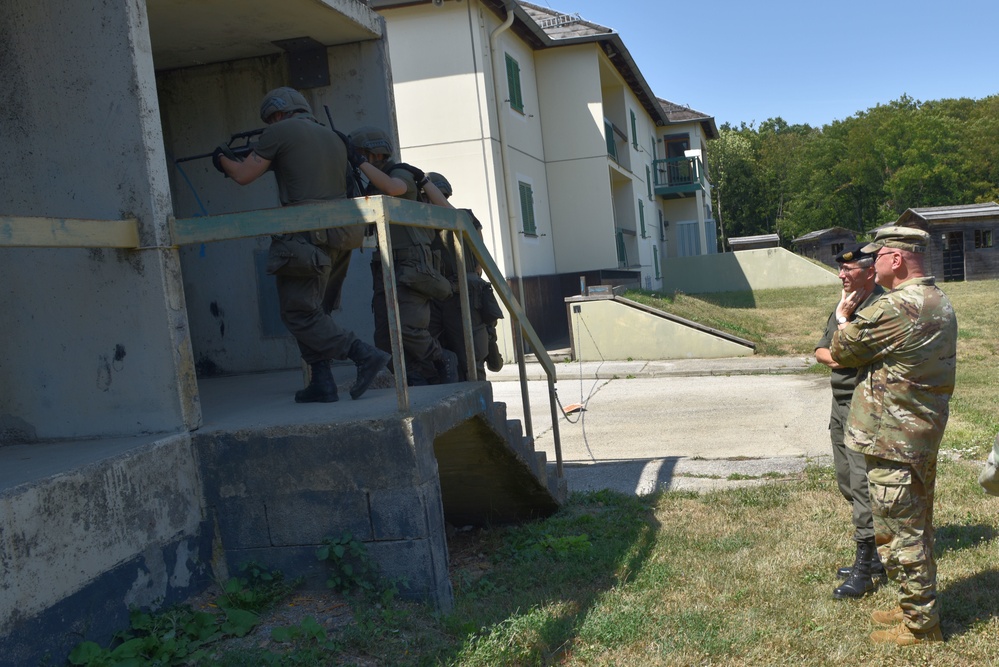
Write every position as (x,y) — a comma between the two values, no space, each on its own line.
(379,211)
(677,175)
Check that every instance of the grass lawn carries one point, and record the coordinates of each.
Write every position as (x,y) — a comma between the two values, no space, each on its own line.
(737,577)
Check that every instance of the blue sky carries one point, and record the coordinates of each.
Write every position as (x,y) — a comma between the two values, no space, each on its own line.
(807,61)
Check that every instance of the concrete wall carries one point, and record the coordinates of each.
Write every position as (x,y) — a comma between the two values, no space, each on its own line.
(614,330)
(95,341)
(767,268)
(115,524)
(232,303)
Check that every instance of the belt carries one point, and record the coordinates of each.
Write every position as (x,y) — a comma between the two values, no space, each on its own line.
(402,254)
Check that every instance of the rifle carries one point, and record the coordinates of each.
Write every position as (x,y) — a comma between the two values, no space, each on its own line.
(240,145)
(353,188)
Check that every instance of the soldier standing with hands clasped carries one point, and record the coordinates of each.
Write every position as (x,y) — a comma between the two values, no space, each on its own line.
(907,339)
(856,272)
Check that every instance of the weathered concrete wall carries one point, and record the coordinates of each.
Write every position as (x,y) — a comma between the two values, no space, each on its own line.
(80,547)
(767,268)
(95,342)
(232,304)
(614,330)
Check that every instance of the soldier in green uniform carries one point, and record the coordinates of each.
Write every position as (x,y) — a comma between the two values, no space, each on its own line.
(310,163)
(907,339)
(417,279)
(856,272)
(445,314)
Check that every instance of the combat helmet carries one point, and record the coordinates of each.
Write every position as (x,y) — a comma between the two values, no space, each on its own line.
(284,99)
(371,139)
(442,183)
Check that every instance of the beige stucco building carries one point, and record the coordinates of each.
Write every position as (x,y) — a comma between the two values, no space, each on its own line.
(546,128)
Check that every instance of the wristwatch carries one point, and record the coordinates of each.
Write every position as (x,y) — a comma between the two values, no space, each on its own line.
(841,320)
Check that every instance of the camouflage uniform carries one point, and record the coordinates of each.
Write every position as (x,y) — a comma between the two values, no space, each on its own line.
(908,341)
(851,469)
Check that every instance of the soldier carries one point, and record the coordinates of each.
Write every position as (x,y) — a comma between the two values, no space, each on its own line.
(856,272)
(309,163)
(445,314)
(907,339)
(417,280)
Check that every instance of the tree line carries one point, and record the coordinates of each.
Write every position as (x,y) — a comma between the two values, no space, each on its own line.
(856,173)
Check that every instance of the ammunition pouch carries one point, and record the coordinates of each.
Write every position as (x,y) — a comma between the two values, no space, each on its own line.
(296,256)
(414,268)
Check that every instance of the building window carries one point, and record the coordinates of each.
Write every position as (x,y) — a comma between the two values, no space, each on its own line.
(662,227)
(527,209)
(634,130)
(611,143)
(622,253)
(648,181)
(513,84)
(655,261)
(641,218)
(836,248)
(653,144)
(983,238)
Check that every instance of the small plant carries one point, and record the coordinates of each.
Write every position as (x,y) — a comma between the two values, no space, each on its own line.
(350,566)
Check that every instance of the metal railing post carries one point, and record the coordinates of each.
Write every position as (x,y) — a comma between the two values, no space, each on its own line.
(392,306)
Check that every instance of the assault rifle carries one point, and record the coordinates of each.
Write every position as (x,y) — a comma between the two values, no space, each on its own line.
(238,147)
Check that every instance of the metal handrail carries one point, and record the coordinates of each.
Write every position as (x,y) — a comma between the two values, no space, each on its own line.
(667,171)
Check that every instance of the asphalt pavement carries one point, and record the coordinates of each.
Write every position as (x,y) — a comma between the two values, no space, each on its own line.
(691,424)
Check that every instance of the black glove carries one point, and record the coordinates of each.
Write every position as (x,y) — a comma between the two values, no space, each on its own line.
(219,152)
(418,175)
(355,157)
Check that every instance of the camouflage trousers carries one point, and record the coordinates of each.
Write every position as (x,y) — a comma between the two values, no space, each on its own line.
(902,505)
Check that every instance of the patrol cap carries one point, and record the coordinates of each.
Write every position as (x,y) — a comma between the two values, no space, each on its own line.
(902,238)
(441,183)
(854,254)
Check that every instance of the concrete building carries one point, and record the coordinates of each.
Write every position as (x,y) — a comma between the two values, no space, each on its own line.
(547,129)
(145,449)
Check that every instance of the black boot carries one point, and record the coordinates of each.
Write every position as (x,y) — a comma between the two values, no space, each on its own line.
(369,361)
(322,388)
(877,568)
(845,571)
(861,580)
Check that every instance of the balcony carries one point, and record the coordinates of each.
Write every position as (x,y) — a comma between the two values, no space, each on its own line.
(677,177)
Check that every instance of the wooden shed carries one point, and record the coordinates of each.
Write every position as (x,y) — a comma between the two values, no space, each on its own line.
(737,243)
(824,244)
(962,239)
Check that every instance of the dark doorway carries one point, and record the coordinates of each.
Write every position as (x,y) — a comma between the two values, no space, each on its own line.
(953,257)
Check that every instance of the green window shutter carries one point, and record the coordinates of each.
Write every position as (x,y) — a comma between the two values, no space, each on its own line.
(622,253)
(609,134)
(513,84)
(641,217)
(634,130)
(653,144)
(648,181)
(655,261)
(527,208)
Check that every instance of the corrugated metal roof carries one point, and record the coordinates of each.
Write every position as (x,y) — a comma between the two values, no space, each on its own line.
(738,240)
(810,236)
(933,213)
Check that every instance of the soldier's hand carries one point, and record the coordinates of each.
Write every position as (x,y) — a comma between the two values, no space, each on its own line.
(221,150)
(355,157)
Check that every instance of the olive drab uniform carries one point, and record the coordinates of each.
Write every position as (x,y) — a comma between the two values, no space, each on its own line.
(445,314)
(310,163)
(851,471)
(907,339)
(417,282)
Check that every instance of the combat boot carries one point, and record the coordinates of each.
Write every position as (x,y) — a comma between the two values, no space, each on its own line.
(888,617)
(861,580)
(322,388)
(903,635)
(369,361)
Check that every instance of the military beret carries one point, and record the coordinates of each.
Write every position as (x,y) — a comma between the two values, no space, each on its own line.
(903,238)
(853,254)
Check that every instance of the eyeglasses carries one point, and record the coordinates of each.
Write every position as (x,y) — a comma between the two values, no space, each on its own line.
(882,253)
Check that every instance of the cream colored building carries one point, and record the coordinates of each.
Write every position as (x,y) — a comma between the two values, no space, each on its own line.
(548,131)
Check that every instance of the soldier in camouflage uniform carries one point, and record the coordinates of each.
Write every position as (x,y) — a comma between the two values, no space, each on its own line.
(907,339)
(856,272)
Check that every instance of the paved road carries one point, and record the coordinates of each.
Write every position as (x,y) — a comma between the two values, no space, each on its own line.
(650,425)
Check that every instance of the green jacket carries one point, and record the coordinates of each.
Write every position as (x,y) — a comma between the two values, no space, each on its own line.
(908,340)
